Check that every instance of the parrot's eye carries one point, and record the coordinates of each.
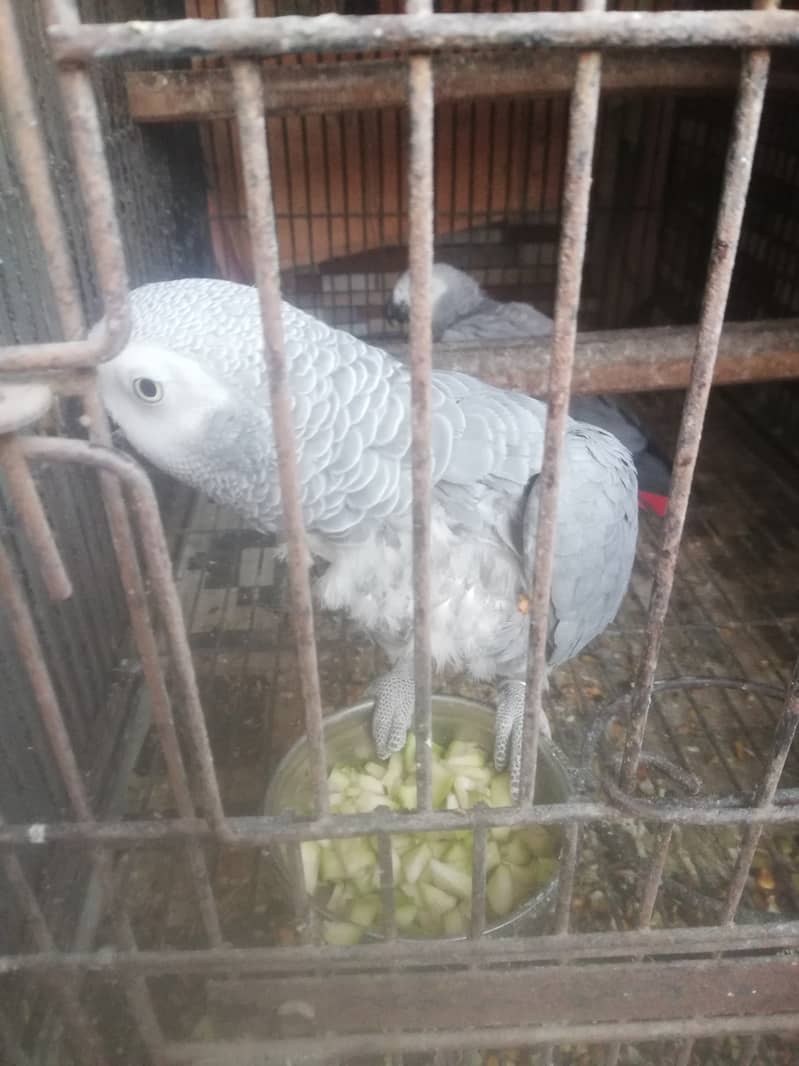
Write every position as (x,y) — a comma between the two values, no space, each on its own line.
(148,390)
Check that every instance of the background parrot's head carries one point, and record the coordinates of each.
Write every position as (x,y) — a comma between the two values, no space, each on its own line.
(168,406)
(454,294)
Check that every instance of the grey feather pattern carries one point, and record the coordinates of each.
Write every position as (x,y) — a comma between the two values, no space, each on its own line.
(351,406)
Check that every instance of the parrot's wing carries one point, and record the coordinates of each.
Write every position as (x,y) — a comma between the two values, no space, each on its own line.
(608,414)
(498,321)
(597,529)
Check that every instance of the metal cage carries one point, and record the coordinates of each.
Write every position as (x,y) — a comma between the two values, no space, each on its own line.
(586,992)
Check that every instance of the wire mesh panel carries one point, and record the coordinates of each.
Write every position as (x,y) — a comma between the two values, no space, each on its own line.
(672,923)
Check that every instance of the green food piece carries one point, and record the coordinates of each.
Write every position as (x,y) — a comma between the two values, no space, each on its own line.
(415,862)
(364,911)
(436,900)
(456,881)
(405,915)
(310,853)
(500,791)
(539,840)
(341,934)
(499,891)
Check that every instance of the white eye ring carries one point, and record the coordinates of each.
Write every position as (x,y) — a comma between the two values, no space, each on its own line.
(148,390)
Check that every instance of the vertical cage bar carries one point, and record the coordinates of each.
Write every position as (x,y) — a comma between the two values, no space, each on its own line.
(86,135)
(82,1035)
(386,862)
(583,115)
(251,118)
(30,511)
(31,152)
(160,704)
(737,174)
(420,336)
(478,915)
(32,655)
(649,895)
(783,740)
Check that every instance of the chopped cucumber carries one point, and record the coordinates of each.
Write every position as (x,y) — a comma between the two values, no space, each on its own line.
(432,872)
(341,934)
(499,891)
(310,852)
(451,879)
(436,900)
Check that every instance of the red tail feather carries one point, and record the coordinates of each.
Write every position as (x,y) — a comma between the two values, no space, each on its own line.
(651,501)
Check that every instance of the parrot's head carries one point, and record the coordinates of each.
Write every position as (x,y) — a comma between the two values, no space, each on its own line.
(167,405)
(453,294)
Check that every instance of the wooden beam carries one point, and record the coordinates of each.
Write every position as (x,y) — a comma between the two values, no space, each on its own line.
(632,360)
(197,95)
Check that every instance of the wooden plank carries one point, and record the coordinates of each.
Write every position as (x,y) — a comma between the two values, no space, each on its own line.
(202,94)
(577,994)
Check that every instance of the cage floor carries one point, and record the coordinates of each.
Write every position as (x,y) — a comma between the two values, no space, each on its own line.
(735,613)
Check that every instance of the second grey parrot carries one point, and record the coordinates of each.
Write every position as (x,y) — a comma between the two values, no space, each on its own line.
(190,393)
(462,312)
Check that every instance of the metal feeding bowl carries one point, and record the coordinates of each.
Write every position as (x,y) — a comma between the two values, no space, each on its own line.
(347,738)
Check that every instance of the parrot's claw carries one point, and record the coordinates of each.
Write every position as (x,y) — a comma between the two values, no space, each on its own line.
(508,729)
(393,711)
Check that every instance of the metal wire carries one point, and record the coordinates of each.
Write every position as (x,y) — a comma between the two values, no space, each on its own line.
(417,35)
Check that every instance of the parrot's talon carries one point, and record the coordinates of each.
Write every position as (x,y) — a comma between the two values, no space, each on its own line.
(393,710)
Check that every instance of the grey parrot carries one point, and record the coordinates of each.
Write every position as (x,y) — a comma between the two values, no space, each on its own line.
(463,312)
(190,394)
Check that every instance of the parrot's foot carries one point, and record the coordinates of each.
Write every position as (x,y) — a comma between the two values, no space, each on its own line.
(394,705)
(508,729)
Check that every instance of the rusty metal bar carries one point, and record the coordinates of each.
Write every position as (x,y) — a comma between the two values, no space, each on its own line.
(82,1034)
(30,511)
(260,832)
(423,33)
(502,952)
(479,873)
(32,656)
(649,894)
(260,212)
(86,136)
(212,1053)
(783,739)
(31,152)
(145,641)
(386,866)
(583,115)
(420,250)
(738,169)
(159,569)
(328,88)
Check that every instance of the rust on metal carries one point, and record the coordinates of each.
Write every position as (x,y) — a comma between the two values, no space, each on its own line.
(583,116)
(783,740)
(86,137)
(251,119)
(31,152)
(141,621)
(328,88)
(422,33)
(420,251)
(693,942)
(540,994)
(738,170)
(159,568)
(252,1051)
(33,658)
(82,1035)
(29,509)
